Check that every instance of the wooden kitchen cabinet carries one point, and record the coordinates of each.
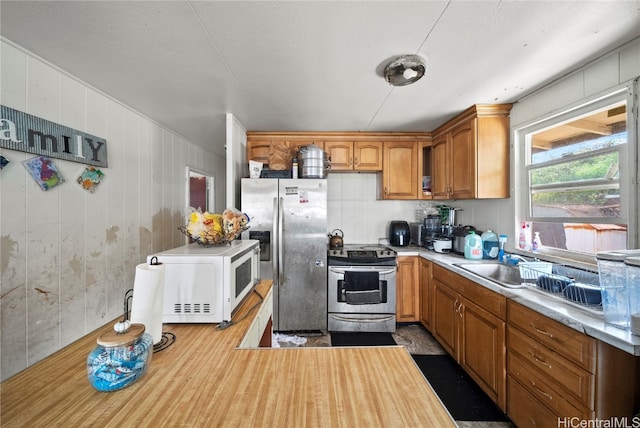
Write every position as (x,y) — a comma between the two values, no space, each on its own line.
(469,321)
(470,154)
(258,150)
(355,155)
(426,293)
(425,167)
(554,371)
(407,289)
(399,170)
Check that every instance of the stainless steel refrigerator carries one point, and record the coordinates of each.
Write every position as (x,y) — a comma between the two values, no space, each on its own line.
(289,218)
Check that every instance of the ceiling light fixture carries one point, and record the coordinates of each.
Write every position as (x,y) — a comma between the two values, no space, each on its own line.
(404,70)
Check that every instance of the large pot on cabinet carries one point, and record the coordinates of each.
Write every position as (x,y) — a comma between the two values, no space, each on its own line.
(313,162)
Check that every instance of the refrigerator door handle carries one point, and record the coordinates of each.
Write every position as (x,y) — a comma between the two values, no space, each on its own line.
(274,242)
(281,241)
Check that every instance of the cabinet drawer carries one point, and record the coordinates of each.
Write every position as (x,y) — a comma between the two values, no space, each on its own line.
(575,346)
(572,379)
(448,277)
(558,391)
(525,410)
(485,298)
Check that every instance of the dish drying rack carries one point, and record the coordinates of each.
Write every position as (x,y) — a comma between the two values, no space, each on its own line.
(577,286)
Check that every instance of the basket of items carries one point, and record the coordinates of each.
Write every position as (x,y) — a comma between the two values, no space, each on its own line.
(209,229)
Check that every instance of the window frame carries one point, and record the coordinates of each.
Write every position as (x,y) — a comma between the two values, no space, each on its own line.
(628,166)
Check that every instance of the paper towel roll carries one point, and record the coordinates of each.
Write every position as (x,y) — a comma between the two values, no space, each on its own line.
(148,296)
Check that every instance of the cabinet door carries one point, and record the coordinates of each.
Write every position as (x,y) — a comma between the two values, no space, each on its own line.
(400,170)
(482,351)
(463,161)
(258,150)
(440,165)
(367,156)
(341,155)
(446,306)
(426,294)
(407,289)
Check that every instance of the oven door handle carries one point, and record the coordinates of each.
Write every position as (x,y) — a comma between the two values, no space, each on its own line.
(372,319)
(382,271)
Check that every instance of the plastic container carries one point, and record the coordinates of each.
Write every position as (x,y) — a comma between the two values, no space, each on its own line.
(502,241)
(537,244)
(632,268)
(522,238)
(490,246)
(473,246)
(613,280)
(119,359)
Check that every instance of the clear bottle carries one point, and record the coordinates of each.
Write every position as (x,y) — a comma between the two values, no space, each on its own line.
(537,244)
(294,168)
(522,239)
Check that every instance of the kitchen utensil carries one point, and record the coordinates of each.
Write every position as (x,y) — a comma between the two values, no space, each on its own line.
(313,162)
(335,240)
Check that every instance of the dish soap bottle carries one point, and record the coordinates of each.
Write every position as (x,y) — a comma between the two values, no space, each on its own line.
(536,243)
(473,246)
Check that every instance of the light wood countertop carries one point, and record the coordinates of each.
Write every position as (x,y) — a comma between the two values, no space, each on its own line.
(204,380)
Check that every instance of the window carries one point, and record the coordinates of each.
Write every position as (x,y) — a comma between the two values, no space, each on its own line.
(579,169)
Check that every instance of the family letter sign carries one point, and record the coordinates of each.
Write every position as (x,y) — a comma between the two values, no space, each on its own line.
(26,133)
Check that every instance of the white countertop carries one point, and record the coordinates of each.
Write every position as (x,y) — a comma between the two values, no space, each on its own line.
(583,320)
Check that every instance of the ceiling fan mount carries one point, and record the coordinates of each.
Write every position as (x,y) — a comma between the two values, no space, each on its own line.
(404,70)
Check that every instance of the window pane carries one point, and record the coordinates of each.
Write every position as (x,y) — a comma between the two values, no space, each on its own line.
(600,169)
(581,237)
(557,150)
(576,203)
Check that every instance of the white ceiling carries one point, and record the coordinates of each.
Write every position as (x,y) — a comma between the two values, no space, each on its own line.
(314,65)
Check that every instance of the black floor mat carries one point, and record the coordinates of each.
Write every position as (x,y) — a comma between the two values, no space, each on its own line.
(459,393)
(362,339)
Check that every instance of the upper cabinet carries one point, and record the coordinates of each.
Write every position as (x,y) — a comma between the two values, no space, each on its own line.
(470,154)
(400,170)
(466,158)
(354,155)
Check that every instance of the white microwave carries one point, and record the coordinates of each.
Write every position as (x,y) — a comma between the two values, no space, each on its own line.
(207,284)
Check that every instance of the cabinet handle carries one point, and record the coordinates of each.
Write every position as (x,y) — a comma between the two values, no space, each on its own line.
(539,359)
(533,423)
(533,384)
(549,335)
(356,161)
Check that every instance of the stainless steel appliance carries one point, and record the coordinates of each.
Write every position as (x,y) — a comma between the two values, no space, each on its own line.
(206,284)
(459,235)
(417,234)
(289,218)
(361,288)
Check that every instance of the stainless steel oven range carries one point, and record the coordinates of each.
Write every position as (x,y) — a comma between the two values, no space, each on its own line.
(362,289)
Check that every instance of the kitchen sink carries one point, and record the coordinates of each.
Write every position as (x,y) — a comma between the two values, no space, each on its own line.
(502,274)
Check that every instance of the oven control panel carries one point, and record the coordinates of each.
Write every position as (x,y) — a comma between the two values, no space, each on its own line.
(363,254)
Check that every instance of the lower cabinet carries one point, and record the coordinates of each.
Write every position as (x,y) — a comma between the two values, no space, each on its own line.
(542,373)
(556,373)
(469,322)
(407,289)
(426,293)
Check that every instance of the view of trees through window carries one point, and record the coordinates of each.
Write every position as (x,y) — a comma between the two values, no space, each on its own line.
(574,182)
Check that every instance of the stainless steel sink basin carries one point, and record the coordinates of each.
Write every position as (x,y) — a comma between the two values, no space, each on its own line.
(504,275)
